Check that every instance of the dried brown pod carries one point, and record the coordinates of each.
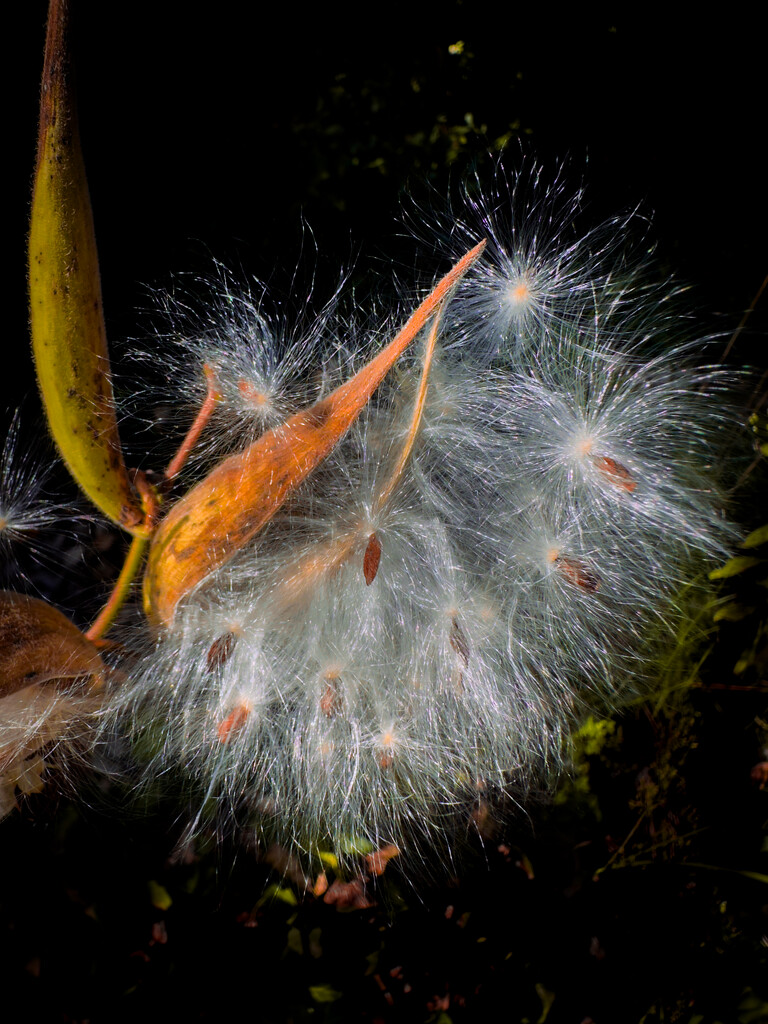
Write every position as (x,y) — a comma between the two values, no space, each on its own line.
(51,678)
(219,516)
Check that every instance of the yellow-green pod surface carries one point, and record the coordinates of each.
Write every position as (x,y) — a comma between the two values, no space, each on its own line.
(67,323)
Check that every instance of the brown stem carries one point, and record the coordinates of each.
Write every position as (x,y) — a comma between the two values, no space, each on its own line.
(212,398)
(744,319)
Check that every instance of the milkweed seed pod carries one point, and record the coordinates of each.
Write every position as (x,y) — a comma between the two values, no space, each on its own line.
(496,545)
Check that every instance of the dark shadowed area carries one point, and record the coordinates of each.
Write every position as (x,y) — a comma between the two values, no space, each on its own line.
(639,892)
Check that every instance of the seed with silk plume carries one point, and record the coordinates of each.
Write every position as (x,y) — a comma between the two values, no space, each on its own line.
(495,546)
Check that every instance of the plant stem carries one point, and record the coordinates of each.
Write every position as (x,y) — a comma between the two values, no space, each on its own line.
(120,592)
(151,505)
(210,402)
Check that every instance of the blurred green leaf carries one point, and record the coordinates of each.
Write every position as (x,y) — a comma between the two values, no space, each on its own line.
(324,993)
(734,566)
(279,892)
(159,895)
(294,943)
(547,999)
(732,612)
(752,1009)
(756,538)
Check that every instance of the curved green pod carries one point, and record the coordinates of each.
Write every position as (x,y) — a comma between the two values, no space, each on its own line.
(67,323)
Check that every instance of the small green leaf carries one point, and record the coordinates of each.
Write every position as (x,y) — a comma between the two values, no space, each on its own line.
(324,993)
(279,892)
(734,566)
(593,735)
(756,876)
(356,846)
(752,1008)
(733,612)
(756,538)
(159,895)
(547,999)
(373,962)
(294,943)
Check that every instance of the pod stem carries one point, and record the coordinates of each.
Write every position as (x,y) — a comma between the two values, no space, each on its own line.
(121,590)
(134,560)
(211,400)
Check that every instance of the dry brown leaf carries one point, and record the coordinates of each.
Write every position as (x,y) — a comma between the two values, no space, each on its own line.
(50,675)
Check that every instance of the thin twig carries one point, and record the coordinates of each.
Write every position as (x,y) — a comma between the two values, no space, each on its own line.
(743,320)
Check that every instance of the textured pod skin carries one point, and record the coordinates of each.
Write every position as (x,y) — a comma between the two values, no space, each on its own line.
(38,645)
(227,509)
(51,679)
(67,323)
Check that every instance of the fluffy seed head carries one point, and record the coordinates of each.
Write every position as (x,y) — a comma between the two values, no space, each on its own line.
(539,275)
(495,547)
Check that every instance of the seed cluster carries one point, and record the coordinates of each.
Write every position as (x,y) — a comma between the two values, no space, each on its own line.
(497,546)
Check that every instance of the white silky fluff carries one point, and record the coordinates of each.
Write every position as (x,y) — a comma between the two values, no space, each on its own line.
(560,495)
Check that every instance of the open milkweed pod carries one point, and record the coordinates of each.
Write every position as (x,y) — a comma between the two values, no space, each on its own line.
(239,497)
(51,677)
(67,322)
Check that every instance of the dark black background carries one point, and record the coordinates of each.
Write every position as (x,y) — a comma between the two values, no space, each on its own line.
(209,133)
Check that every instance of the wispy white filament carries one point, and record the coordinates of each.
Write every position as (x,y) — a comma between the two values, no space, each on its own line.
(409,637)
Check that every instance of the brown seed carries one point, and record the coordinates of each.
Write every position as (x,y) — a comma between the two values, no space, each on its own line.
(252,394)
(614,472)
(459,642)
(578,573)
(371,559)
(234,721)
(387,750)
(330,702)
(220,650)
